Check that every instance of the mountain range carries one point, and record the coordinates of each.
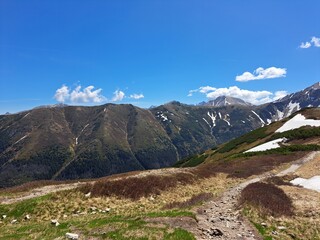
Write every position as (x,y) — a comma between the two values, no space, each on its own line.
(73,142)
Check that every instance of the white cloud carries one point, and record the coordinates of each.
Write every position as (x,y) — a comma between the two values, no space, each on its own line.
(118,96)
(261,73)
(87,95)
(305,45)
(201,89)
(315,41)
(137,96)
(279,95)
(62,94)
(254,97)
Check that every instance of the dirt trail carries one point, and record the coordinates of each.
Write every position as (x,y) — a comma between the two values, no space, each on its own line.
(38,192)
(221,220)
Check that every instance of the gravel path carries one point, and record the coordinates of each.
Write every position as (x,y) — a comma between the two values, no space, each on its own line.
(222,220)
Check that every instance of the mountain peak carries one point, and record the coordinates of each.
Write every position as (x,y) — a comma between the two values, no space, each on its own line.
(314,86)
(222,101)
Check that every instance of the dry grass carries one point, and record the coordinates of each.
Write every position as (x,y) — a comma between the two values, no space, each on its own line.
(310,169)
(32,185)
(266,197)
(194,200)
(60,203)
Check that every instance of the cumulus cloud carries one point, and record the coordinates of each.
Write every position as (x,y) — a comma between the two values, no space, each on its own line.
(314,40)
(137,96)
(279,95)
(261,73)
(87,95)
(118,96)
(254,97)
(62,94)
(201,89)
(305,45)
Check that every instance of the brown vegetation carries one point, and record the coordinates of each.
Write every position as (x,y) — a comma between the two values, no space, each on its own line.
(268,198)
(137,187)
(279,181)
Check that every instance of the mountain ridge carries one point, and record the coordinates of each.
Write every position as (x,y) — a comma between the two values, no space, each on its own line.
(72,142)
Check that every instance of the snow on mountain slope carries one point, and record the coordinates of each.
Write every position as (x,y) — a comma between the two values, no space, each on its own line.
(268,145)
(298,121)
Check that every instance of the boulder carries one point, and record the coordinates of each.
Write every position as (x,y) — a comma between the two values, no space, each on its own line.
(72,236)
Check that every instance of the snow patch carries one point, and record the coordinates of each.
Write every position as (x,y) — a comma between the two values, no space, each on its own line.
(81,133)
(263,122)
(25,115)
(243,121)
(21,139)
(311,183)
(292,107)
(268,145)
(219,115)
(206,122)
(164,118)
(213,118)
(227,122)
(298,121)
(269,121)
(280,115)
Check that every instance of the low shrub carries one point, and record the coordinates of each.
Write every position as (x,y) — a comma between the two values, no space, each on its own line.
(268,198)
(137,187)
(247,138)
(279,181)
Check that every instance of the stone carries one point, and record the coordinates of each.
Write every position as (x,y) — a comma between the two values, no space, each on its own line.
(65,215)
(14,221)
(93,208)
(55,222)
(27,217)
(151,198)
(108,209)
(88,195)
(4,216)
(263,224)
(282,228)
(215,232)
(72,236)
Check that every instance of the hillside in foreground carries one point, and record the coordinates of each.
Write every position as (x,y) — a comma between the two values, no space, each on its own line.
(229,194)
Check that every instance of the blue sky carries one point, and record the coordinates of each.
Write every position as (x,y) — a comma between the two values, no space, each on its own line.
(151,52)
